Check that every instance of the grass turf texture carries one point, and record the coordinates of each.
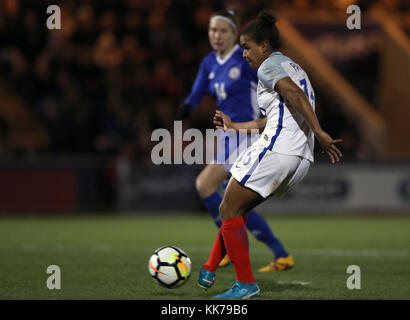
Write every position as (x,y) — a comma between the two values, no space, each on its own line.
(106,257)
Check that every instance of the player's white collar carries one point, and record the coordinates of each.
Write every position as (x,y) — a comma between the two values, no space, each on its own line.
(226,58)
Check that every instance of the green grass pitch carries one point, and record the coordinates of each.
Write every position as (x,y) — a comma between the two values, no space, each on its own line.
(106,257)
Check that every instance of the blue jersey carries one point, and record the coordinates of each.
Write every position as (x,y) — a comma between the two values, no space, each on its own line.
(231,81)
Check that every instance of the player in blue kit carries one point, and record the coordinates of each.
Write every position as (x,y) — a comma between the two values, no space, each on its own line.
(227,76)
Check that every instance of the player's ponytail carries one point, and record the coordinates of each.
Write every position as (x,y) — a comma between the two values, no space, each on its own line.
(264,28)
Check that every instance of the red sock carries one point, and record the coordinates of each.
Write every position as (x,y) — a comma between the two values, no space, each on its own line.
(217,253)
(236,242)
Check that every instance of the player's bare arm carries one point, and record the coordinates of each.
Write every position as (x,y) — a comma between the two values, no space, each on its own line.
(296,98)
(222,121)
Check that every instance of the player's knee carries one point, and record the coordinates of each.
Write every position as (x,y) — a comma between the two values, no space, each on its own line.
(200,186)
(223,211)
(227,211)
(204,187)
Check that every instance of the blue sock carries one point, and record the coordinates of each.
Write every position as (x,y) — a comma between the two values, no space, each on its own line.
(261,230)
(212,204)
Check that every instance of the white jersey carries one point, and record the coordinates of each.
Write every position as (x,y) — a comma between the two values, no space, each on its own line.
(286,130)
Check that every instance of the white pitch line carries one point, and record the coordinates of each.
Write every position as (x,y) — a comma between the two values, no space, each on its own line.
(302,283)
(311,252)
(351,253)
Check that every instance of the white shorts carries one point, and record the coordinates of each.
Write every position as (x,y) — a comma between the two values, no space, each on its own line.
(267,172)
(230,145)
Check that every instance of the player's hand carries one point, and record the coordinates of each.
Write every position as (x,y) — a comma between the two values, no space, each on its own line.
(222,121)
(328,146)
(183,111)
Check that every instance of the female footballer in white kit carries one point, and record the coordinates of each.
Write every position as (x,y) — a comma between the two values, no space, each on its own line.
(277,161)
(226,75)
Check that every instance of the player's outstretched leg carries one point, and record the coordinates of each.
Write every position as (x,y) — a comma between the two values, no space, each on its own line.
(236,204)
(206,277)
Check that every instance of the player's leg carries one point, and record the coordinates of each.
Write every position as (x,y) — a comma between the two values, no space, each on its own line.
(236,204)
(206,276)
(218,251)
(207,184)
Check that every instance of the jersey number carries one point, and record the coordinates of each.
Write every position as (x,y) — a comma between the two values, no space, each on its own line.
(220,90)
(305,89)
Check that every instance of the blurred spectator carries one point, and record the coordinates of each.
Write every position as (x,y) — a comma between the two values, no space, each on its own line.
(117,69)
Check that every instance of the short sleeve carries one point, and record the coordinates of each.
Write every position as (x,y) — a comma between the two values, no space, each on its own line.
(271,72)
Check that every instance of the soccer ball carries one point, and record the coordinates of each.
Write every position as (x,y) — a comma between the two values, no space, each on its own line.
(170,266)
